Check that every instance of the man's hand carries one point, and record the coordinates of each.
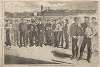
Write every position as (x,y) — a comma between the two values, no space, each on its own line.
(75,37)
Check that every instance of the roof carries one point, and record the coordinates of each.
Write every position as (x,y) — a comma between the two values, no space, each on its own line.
(65,12)
(49,13)
(18,15)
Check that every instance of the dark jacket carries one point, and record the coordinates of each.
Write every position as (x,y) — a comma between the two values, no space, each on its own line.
(84,26)
(22,27)
(65,28)
(75,30)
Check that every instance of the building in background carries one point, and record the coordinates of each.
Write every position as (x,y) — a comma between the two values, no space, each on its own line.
(50,12)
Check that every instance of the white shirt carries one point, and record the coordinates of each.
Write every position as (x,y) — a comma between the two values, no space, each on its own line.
(88,32)
(58,27)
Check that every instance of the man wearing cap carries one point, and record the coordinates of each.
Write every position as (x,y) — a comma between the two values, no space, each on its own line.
(94,26)
(34,36)
(41,30)
(29,25)
(22,29)
(48,33)
(59,34)
(54,33)
(7,29)
(16,32)
(87,34)
(75,32)
(66,35)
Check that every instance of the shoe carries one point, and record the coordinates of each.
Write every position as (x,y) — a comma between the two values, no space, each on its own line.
(36,45)
(61,47)
(72,57)
(30,45)
(20,46)
(88,60)
(65,47)
(25,46)
(79,59)
(41,46)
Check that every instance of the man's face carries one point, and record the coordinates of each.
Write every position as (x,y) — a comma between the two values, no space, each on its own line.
(67,22)
(93,19)
(76,20)
(22,20)
(86,19)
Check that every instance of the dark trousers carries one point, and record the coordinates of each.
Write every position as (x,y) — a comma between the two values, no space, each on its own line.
(22,38)
(66,39)
(56,39)
(83,45)
(60,38)
(40,38)
(27,37)
(36,37)
(31,38)
(74,47)
(8,42)
(16,37)
(48,38)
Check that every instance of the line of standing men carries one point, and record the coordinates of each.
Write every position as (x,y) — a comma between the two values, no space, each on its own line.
(54,34)
(44,34)
(36,33)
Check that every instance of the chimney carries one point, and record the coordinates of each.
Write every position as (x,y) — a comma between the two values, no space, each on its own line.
(41,8)
(48,8)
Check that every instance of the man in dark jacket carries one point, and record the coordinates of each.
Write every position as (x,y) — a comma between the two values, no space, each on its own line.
(75,31)
(41,30)
(33,37)
(86,40)
(22,30)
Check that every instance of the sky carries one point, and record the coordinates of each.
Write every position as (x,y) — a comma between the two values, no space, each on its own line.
(34,6)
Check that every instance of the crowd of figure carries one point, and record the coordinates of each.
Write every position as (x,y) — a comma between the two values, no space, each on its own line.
(54,32)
